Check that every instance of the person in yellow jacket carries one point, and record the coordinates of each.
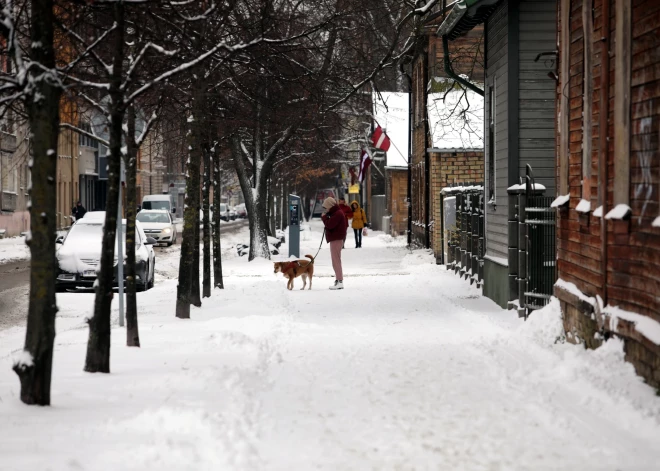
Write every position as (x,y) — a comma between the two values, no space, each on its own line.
(359,222)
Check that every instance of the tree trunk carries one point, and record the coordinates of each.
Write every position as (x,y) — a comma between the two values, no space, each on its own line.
(206,285)
(285,205)
(195,298)
(34,371)
(271,208)
(98,345)
(132,332)
(190,217)
(255,202)
(217,248)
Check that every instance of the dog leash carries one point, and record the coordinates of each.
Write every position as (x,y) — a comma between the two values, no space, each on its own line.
(320,245)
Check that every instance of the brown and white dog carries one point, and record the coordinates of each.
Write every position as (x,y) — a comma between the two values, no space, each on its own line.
(296,268)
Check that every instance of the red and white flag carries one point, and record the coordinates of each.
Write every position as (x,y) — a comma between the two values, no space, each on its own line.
(365,161)
(380,139)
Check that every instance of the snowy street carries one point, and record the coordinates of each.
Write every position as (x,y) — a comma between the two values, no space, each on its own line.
(408,368)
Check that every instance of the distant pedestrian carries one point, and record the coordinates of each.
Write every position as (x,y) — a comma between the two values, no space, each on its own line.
(78,211)
(335,232)
(359,223)
(348,213)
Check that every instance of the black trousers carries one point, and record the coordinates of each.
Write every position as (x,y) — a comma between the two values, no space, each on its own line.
(358,237)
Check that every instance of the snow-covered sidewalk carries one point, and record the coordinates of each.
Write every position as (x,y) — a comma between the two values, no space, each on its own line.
(12,249)
(407,368)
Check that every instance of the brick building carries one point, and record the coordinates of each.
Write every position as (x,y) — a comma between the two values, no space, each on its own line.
(608,99)
(450,167)
(447,124)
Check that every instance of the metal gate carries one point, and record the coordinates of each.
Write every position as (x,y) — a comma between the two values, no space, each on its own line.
(466,240)
(541,256)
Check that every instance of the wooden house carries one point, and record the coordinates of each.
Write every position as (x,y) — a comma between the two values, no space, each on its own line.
(519,91)
(608,174)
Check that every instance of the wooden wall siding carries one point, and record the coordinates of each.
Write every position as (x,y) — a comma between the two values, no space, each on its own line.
(497,75)
(537,30)
(396,200)
(633,247)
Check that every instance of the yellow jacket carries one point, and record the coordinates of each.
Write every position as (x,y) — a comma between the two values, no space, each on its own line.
(359,217)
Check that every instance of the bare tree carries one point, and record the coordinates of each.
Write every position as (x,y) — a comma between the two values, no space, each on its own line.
(35,84)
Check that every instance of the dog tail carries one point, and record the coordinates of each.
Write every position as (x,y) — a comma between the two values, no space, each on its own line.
(310,257)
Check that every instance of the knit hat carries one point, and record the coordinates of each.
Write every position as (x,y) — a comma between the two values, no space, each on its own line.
(329,203)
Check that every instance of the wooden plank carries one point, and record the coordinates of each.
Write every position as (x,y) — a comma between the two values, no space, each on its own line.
(622,78)
(564,91)
(587,24)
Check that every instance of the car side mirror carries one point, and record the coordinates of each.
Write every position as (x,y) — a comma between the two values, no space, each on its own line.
(59,240)
(150,241)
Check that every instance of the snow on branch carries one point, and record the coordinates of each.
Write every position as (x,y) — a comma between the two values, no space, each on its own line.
(89,50)
(140,56)
(84,133)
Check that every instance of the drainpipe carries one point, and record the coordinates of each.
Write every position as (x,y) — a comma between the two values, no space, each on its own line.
(409,189)
(427,159)
(603,139)
(450,71)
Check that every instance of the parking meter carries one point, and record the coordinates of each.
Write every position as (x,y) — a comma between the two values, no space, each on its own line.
(294,225)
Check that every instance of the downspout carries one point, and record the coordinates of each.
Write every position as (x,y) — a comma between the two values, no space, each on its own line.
(409,189)
(603,139)
(450,71)
(427,159)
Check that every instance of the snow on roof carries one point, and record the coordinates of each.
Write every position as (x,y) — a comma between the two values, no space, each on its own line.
(584,206)
(560,201)
(391,112)
(620,211)
(456,118)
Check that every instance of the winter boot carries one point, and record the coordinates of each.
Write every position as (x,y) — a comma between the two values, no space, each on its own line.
(339,284)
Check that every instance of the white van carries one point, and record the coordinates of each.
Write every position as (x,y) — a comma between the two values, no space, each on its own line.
(159,202)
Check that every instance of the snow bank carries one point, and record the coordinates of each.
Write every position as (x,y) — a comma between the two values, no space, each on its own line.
(13,249)
(545,326)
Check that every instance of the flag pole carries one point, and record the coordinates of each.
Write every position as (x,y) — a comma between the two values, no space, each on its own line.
(391,141)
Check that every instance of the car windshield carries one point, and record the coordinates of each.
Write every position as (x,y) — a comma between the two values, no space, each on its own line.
(153,217)
(91,234)
(156,205)
(223,208)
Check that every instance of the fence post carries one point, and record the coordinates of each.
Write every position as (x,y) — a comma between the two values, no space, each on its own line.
(514,245)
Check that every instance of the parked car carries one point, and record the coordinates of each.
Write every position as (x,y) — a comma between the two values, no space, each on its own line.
(241,210)
(232,214)
(224,212)
(79,253)
(158,223)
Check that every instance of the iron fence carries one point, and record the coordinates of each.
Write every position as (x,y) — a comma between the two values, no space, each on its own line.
(541,256)
(465,240)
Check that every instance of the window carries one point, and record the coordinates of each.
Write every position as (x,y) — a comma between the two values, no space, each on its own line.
(491,145)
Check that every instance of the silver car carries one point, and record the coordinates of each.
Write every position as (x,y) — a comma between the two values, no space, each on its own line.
(158,224)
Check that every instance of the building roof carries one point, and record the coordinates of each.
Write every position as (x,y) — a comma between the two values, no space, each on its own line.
(465,15)
(456,118)
(391,112)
